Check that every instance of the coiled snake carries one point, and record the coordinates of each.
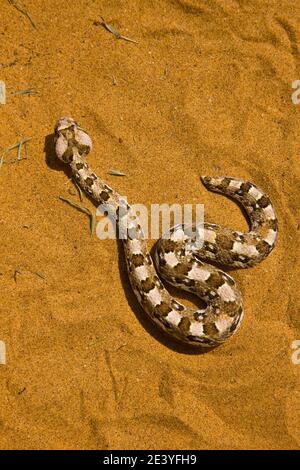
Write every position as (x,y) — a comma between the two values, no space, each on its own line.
(174,259)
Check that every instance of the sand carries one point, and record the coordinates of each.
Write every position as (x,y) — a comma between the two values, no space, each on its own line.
(207,90)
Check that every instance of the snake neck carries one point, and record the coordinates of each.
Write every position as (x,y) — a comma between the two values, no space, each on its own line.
(111,202)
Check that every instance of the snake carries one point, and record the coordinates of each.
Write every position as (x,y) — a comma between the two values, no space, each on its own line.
(177,260)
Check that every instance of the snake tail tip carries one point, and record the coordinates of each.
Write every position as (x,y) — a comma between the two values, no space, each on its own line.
(205,179)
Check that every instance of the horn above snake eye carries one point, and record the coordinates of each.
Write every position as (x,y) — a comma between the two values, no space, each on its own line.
(84,141)
(60,147)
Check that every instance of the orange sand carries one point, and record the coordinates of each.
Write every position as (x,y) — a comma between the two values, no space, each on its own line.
(207,90)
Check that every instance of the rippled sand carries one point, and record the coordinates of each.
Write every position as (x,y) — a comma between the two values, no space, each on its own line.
(207,90)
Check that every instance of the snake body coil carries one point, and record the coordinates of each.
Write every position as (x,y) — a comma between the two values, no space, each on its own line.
(175,261)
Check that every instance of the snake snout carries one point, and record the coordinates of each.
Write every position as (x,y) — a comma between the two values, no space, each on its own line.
(64,123)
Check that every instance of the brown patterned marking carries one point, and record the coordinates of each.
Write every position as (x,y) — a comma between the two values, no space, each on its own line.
(224,241)
(188,282)
(229,308)
(215,280)
(239,237)
(79,166)
(198,316)
(104,196)
(237,257)
(210,247)
(228,258)
(163,309)
(148,284)
(251,203)
(259,222)
(263,247)
(176,305)
(263,202)
(137,260)
(224,184)
(184,324)
(181,269)
(272,224)
(210,329)
(162,260)
(169,245)
(211,295)
(202,291)
(245,187)
(89,181)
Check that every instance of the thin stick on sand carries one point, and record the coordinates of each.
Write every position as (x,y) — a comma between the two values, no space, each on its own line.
(16,272)
(116,173)
(19,271)
(2,92)
(38,274)
(22,10)
(30,91)
(82,209)
(18,145)
(116,33)
(78,189)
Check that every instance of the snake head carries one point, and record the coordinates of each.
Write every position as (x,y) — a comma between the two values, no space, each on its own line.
(70,139)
